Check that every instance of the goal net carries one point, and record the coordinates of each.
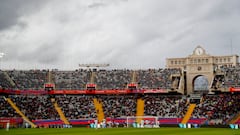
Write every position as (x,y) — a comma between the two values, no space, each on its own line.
(143,122)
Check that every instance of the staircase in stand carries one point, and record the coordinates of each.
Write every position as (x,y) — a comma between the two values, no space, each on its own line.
(134,76)
(99,109)
(235,119)
(20,113)
(9,79)
(140,109)
(60,112)
(92,77)
(188,114)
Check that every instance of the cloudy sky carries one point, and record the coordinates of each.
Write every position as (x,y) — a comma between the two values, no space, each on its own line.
(124,33)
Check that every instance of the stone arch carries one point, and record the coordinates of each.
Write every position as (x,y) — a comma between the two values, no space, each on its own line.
(200,83)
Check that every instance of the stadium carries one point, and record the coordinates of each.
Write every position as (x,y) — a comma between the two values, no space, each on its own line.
(199,93)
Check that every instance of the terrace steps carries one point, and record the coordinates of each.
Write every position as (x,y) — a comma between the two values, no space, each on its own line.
(60,112)
(99,109)
(9,79)
(235,119)
(188,114)
(140,109)
(20,113)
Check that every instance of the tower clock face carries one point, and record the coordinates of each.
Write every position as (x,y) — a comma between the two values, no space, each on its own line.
(199,51)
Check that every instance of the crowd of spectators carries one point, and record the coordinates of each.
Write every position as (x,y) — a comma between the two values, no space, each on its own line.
(227,77)
(119,105)
(71,79)
(217,109)
(232,76)
(165,106)
(156,78)
(109,79)
(113,79)
(28,79)
(77,79)
(5,109)
(35,107)
(77,107)
(218,82)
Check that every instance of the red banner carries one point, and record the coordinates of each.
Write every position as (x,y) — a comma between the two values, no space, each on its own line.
(24,92)
(234,89)
(75,92)
(67,92)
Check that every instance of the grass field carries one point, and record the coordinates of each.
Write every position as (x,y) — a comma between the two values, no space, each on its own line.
(122,131)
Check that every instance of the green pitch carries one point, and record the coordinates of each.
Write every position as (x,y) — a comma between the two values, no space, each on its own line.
(122,131)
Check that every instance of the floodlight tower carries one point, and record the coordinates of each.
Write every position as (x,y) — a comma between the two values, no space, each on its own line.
(1,56)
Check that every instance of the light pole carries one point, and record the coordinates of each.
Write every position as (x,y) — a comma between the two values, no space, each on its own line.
(1,56)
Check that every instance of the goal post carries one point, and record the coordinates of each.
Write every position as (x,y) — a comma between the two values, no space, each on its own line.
(143,121)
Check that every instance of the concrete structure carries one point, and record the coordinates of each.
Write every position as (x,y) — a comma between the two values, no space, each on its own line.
(199,69)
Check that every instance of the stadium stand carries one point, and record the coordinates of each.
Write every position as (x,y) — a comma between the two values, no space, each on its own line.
(105,79)
(78,108)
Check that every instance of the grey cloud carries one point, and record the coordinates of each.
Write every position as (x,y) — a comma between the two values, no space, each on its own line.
(11,10)
(44,54)
(131,34)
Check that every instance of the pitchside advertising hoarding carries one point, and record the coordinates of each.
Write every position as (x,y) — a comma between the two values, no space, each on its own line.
(11,120)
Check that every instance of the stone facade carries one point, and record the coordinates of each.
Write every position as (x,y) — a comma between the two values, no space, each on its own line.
(200,64)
